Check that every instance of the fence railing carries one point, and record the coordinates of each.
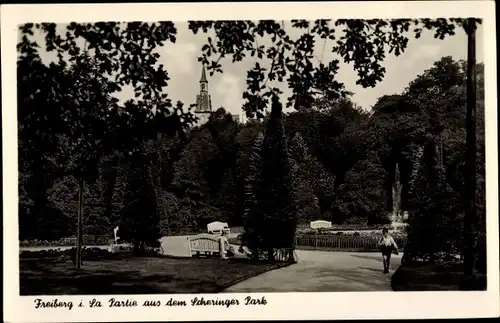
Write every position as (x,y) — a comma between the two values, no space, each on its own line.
(341,243)
(336,243)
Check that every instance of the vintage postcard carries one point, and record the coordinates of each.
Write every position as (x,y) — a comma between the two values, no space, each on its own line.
(232,161)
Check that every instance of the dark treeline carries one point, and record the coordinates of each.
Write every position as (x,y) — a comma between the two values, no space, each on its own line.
(145,171)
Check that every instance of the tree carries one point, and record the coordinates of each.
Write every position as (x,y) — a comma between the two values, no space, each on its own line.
(37,140)
(191,180)
(140,219)
(436,220)
(310,180)
(363,193)
(77,99)
(306,202)
(251,216)
(245,141)
(278,218)
(440,94)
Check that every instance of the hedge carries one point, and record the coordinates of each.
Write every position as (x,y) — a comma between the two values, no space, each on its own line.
(69,241)
(88,254)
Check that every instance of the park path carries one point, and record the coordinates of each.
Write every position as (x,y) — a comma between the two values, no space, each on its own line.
(324,271)
(315,271)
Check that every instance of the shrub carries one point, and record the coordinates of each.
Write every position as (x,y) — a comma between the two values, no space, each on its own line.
(87,253)
(67,241)
(51,253)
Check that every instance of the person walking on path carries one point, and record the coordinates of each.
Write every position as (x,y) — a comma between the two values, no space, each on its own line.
(387,247)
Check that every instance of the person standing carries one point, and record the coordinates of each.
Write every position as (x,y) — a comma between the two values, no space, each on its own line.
(387,247)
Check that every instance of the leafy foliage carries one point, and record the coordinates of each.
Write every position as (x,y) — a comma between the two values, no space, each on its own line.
(306,201)
(362,42)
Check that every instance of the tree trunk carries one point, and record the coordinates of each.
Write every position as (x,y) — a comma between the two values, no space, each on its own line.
(470,181)
(79,225)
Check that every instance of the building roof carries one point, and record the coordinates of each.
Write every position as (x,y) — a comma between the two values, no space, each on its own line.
(203,75)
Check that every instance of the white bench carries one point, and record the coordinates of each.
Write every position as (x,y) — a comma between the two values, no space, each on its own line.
(218,227)
(204,244)
(320,224)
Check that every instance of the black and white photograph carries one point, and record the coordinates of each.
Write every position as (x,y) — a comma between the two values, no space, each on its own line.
(249,157)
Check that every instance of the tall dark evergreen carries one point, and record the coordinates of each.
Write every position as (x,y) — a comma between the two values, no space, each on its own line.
(274,191)
(251,216)
(140,220)
(436,218)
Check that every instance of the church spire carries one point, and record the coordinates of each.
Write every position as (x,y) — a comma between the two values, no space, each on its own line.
(203,101)
(203,75)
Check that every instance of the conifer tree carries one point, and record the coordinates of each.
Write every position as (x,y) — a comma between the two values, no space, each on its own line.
(305,198)
(251,215)
(274,193)
(434,226)
(139,217)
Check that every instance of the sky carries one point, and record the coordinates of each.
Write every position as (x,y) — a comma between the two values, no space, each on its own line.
(180,60)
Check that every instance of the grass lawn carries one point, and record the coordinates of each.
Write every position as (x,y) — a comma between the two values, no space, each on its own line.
(135,275)
(432,277)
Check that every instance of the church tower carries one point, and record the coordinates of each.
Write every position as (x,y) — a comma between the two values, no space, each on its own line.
(203,108)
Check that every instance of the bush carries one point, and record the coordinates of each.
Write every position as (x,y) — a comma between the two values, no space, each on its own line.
(88,254)
(51,253)
(68,241)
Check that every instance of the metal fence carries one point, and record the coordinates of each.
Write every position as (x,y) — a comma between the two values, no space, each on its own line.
(335,243)
(341,243)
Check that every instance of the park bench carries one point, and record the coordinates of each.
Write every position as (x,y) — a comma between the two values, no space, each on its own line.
(218,227)
(320,224)
(204,244)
